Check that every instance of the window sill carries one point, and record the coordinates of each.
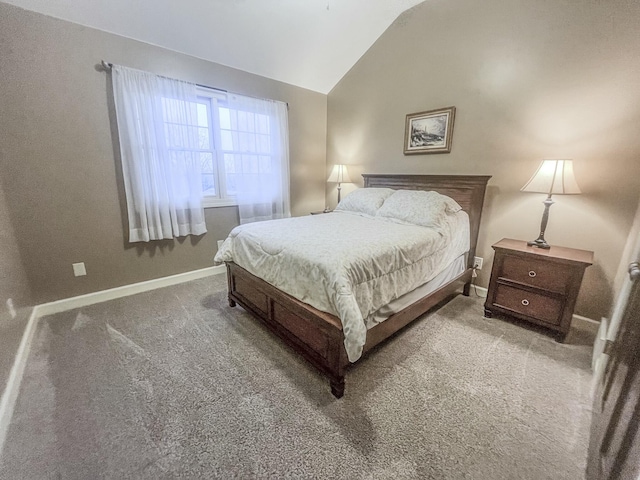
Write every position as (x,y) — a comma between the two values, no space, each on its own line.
(216,202)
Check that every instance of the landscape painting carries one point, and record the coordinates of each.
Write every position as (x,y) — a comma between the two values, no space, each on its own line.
(429,132)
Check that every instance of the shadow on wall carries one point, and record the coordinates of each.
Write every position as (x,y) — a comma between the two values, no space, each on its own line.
(491,192)
(150,249)
(115,143)
(600,293)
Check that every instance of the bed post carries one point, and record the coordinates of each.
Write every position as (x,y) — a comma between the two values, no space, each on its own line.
(232,302)
(337,365)
(337,387)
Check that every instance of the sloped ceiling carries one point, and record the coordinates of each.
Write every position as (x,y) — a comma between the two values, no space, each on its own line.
(308,43)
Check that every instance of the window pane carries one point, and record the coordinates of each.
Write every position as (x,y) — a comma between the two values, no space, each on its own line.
(251,122)
(206,160)
(176,136)
(208,184)
(203,138)
(167,135)
(225,118)
(247,142)
(233,117)
(231,184)
(203,115)
(169,109)
(265,164)
(226,139)
(179,162)
(262,124)
(249,164)
(191,113)
(263,144)
(230,163)
(183,138)
(242,121)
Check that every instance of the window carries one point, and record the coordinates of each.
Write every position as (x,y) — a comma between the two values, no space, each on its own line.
(201,127)
(184,147)
(231,142)
(245,144)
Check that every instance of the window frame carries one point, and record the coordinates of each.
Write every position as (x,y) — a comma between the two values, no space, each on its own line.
(219,99)
(215,97)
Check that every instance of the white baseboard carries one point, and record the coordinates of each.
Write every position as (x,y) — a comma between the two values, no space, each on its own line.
(10,394)
(480,290)
(580,318)
(125,290)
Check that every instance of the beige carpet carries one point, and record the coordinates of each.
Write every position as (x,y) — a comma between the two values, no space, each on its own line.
(174,383)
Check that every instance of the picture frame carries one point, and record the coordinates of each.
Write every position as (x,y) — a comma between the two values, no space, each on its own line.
(430,131)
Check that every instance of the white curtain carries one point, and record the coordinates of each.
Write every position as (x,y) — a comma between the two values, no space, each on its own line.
(260,158)
(157,125)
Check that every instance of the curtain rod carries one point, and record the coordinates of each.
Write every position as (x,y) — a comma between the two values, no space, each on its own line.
(109,66)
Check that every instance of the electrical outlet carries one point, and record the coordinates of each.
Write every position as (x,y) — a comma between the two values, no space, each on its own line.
(79,269)
(477,263)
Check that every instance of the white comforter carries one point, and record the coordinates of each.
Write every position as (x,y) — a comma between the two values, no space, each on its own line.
(345,264)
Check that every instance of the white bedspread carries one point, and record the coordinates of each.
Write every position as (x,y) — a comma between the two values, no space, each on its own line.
(345,264)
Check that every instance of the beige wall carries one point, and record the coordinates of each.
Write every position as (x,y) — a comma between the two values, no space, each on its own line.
(13,277)
(57,154)
(530,80)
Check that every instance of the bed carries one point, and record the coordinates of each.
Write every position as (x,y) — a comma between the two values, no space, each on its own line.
(318,326)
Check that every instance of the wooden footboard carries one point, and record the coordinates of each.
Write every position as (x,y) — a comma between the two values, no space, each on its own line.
(317,336)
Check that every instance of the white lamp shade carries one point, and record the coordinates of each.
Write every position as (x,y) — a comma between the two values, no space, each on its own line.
(553,177)
(339,174)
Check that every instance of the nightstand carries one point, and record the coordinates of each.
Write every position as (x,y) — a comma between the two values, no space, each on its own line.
(535,285)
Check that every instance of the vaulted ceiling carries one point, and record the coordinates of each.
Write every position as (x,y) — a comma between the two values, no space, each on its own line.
(308,43)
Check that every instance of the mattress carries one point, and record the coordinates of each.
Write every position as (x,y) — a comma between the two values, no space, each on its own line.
(451,272)
(346,264)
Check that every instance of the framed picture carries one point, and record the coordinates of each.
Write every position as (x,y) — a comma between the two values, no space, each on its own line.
(429,132)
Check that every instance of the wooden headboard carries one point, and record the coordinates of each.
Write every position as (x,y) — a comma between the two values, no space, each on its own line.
(467,190)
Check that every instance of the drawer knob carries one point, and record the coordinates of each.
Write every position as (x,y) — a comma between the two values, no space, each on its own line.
(532,273)
(525,302)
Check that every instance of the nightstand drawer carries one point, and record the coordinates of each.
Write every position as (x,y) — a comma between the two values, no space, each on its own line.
(537,272)
(541,307)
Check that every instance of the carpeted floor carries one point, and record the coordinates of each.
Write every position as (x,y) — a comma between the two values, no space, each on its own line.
(174,383)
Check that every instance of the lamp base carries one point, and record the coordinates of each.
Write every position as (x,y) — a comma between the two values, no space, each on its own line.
(540,243)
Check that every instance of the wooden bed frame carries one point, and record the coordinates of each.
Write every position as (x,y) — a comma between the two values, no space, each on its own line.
(317,336)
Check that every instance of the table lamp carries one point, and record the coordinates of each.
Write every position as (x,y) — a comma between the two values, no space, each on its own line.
(339,175)
(552,177)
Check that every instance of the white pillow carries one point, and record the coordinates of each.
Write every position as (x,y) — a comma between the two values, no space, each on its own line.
(365,200)
(451,205)
(417,207)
